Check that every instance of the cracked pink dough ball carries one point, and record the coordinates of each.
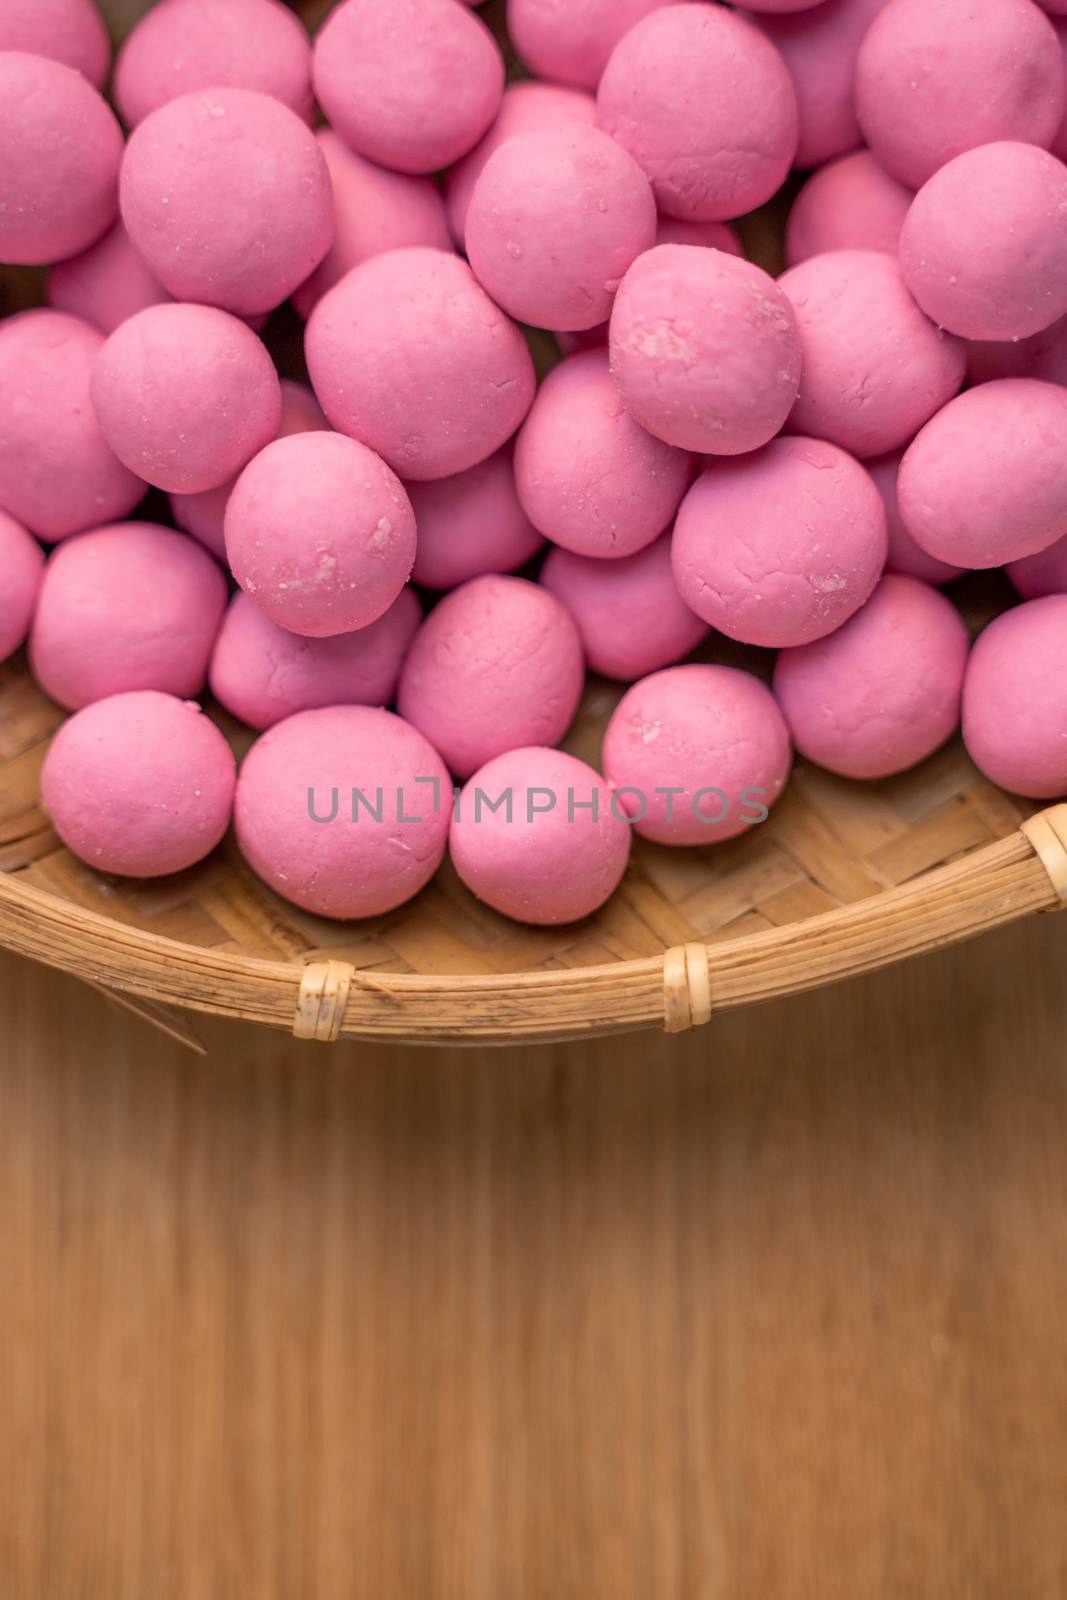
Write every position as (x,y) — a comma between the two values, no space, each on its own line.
(705,105)
(226,196)
(261,673)
(105,284)
(1046,573)
(850,204)
(819,45)
(139,784)
(320,533)
(1042,356)
(409,355)
(630,616)
(883,692)
(132,606)
(1015,700)
(204,514)
(70,31)
(709,235)
(525,108)
(937,77)
(546,856)
(781,547)
(986,481)
(704,349)
(554,222)
(497,664)
(182,46)
(374,211)
(185,396)
(697,754)
(571,41)
(378,851)
(411,84)
(905,556)
(60,151)
(589,476)
(57,473)
(22,564)
(874,367)
(471,524)
(984,246)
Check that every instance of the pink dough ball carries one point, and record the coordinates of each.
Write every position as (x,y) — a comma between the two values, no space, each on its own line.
(1015,700)
(986,481)
(704,349)
(471,524)
(204,514)
(630,616)
(850,204)
(1046,573)
(185,396)
(905,556)
(70,31)
(128,607)
(411,84)
(937,77)
(984,246)
(384,787)
(525,108)
(571,41)
(60,151)
(697,754)
(785,7)
(497,664)
(321,534)
(409,355)
(261,673)
(705,105)
(874,368)
(181,46)
(554,851)
(819,45)
(57,473)
(883,692)
(710,235)
(589,476)
(1043,356)
(227,197)
(1059,142)
(105,284)
(554,222)
(139,784)
(781,547)
(374,211)
(22,564)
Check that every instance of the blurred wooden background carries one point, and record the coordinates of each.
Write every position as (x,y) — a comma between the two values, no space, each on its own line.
(773,1310)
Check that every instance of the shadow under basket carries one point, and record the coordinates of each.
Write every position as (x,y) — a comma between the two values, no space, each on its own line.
(842,879)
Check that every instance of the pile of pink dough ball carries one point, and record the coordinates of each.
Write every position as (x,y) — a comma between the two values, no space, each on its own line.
(396,559)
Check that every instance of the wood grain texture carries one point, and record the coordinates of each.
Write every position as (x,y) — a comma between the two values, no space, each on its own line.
(775,1309)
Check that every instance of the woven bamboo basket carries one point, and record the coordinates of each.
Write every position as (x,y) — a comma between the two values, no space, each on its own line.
(842,879)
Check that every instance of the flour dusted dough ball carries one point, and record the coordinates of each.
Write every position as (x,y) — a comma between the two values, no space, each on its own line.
(409,355)
(70,31)
(132,606)
(22,564)
(704,349)
(58,474)
(60,150)
(570,41)
(850,204)
(556,849)
(471,524)
(1015,700)
(105,284)
(863,338)
(226,196)
(378,851)
(185,395)
(139,784)
(780,547)
(411,84)
(905,556)
(705,105)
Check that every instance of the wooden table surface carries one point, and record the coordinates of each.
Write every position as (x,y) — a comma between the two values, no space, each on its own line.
(776,1310)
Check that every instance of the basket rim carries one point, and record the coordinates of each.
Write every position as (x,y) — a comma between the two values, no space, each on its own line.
(995,884)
